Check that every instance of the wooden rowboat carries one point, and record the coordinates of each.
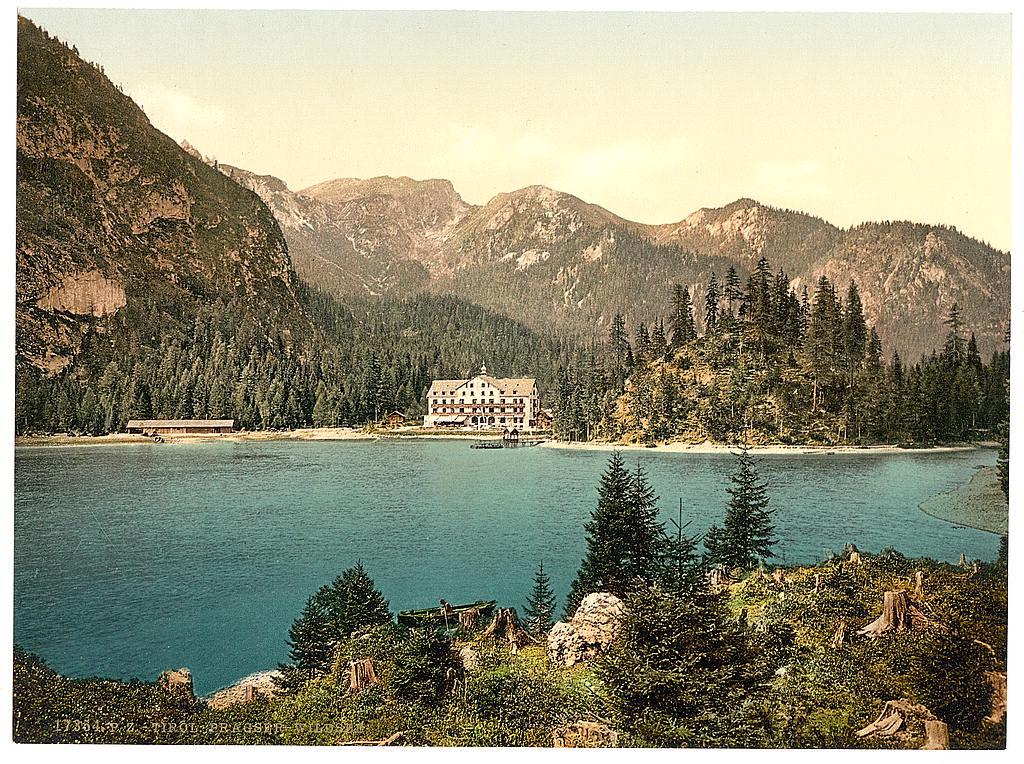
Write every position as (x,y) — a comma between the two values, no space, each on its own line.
(433,615)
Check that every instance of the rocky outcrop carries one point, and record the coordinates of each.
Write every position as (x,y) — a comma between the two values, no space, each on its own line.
(89,293)
(178,682)
(591,631)
(112,214)
(259,685)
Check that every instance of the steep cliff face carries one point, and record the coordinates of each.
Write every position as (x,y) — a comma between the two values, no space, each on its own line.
(112,213)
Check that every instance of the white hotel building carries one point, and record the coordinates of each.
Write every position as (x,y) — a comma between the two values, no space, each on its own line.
(483,403)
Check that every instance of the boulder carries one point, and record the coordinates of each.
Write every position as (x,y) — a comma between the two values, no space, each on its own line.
(590,632)
(178,683)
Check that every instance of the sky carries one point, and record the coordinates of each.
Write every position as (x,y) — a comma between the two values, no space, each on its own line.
(850,117)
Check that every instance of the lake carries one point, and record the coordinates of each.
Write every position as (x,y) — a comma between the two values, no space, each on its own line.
(132,559)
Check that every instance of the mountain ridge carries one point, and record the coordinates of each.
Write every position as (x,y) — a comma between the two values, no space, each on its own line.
(536,241)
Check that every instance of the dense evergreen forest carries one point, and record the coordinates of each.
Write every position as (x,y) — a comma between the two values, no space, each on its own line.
(757,363)
(338,364)
(774,366)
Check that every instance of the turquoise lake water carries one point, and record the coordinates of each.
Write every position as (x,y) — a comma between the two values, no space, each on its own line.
(132,559)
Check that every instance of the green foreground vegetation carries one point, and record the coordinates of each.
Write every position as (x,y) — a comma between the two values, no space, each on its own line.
(754,664)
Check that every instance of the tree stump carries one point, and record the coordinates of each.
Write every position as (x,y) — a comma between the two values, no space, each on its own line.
(719,579)
(840,636)
(997,680)
(467,620)
(937,734)
(505,625)
(900,719)
(817,583)
(360,675)
(919,584)
(898,614)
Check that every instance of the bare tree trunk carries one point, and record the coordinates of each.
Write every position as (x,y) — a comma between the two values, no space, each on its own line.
(919,584)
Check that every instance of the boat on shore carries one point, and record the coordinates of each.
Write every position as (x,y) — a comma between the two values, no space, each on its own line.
(436,615)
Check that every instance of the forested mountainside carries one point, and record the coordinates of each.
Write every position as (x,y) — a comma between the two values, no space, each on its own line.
(113,217)
(775,366)
(151,284)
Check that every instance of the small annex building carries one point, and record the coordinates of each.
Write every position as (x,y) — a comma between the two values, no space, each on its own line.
(180,426)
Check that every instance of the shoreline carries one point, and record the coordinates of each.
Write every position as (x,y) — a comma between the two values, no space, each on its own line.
(979,504)
(397,435)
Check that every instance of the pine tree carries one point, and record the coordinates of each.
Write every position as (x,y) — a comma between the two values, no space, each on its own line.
(733,292)
(356,603)
(681,327)
(711,298)
(622,536)
(540,605)
(747,534)
(679,570)
(954,348)
(684,673)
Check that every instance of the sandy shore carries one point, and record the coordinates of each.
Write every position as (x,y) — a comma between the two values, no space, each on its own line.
(414,433)
(718,448)
(980,504)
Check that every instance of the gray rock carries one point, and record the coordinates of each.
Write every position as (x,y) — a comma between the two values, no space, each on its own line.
(590,632)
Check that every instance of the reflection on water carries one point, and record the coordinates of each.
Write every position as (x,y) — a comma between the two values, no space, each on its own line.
(133,559)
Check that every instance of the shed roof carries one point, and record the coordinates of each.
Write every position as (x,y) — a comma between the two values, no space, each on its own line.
(181,423)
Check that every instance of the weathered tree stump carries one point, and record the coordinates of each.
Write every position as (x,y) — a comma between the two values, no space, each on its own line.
(360,675)
(467,619)
(937,735)
(898,614)
(505,625)
(584,735)
(719,579)
(840,636)
(899,719)
(817,583)
(919,584)
(997,680)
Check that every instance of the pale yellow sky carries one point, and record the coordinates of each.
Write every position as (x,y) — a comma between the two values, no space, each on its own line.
(849,117)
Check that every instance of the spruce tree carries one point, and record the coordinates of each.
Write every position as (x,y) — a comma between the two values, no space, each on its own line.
(679,570)
(540,605)
(356,603)
(622,536)
(711,298)
(684,673)
(681,329)
(747,534)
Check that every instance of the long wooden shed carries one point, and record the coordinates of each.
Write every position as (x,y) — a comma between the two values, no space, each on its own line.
(180,426)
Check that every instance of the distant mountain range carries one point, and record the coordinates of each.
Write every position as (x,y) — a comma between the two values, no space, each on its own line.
(113,217)
(552,260)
